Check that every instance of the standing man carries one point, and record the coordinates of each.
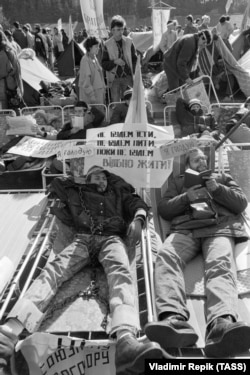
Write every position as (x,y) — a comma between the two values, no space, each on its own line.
(118,59)
(190,27)
(182,58)
(19,36)
(41,46)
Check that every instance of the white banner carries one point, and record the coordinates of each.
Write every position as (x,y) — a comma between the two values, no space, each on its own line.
(74,357)
(173,149)
(92,14)
(132,152)
(42,148)
(228,5)
(160,18)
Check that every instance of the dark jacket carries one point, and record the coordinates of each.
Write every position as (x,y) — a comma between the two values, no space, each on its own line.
(228,200)
(189,122)
(182,56)
(65,133)
(20,37)
(114,209)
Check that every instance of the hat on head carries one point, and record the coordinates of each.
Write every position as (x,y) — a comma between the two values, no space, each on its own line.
(127,93)
(81,104)
(96,169)
(194,102)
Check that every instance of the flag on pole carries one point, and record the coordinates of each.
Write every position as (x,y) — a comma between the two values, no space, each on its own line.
(71,33)
(59,24)
(228,4)
(137,107)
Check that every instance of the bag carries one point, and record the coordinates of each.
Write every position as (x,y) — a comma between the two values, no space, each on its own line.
(201,215)
(202,210)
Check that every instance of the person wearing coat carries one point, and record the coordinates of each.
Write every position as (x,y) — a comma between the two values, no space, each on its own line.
(223,202)
(91,80)
(182,58)
(118,59)
(104,211)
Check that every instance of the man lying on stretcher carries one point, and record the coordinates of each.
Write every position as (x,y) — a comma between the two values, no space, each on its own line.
(107,214)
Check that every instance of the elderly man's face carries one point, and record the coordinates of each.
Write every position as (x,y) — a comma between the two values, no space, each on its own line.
(198,161)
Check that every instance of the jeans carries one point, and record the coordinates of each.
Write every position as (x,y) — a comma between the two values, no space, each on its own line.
(118,87)
(220,275)
(114,258)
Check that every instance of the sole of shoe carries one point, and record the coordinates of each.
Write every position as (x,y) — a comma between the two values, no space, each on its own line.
(138,365)
(234,341)
(169,337)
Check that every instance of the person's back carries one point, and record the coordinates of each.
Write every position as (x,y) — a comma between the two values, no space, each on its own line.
(19,36)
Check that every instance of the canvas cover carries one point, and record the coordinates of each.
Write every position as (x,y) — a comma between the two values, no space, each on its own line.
(33,72)
(70,59)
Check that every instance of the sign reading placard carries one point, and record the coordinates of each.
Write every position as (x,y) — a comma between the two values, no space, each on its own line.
(132,152)
(92,14)
(73,356)
(160,19)
(170,150)
(42,148)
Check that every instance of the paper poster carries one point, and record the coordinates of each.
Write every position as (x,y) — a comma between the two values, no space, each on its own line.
(42,148)
(160,19)
(131,152)
(49,354)
(173,149)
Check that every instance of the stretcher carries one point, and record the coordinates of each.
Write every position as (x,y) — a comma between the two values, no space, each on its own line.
(230,159)
(74,330)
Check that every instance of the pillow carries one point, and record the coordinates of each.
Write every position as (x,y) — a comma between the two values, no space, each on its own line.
(21,125)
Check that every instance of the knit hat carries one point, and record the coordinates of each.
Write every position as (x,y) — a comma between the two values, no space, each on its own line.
(96,169)
(194,102)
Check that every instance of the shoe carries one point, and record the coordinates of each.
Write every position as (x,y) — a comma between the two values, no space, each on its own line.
(172,332)
(226,338)
(131,354)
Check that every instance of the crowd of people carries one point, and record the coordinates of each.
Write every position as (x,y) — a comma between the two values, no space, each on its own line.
(108,216)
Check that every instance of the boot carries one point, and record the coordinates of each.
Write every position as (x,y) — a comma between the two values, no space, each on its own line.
(226,338)
(172,332)
(131,354)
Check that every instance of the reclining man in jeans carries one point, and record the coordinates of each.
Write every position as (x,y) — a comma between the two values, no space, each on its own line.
(106,213)
(224,199)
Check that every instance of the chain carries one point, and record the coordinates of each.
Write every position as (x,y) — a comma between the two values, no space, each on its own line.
(93,227)
(92,291)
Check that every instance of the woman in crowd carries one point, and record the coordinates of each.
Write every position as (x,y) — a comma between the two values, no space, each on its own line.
(10,71)
(91,81)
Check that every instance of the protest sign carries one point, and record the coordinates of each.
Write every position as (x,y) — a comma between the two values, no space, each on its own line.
(172,149)
(54,354)
(42,148)
(92,14)
(133,152)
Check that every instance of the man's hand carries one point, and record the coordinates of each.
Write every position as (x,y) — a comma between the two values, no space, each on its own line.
(119,62)
(75,130)
(8,341)
(134,232)
(192,192)
(211,183)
